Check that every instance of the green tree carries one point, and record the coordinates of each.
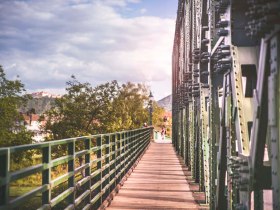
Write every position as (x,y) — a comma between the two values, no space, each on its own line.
(85,110)
(129,108)
(158,114)
(80,111)
(12,129)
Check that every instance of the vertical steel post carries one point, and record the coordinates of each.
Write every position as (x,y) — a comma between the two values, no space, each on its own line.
(4,172)
(88,170)
(99,167)
(107,161)
(123,141)
(118,156)
(113,166)
(46,174)
(71,168)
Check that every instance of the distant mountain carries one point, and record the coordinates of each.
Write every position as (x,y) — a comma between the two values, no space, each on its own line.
(166,103)
(40,104)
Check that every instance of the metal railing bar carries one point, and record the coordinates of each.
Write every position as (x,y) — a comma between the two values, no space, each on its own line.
(44,207)
(61,160)
(106,187)
(81,153)
(62,141)
(82,181)
(70,207)
(61,179)
(19,200)
(94,161)
(95,173)
(82,167)
(97,184)
(94,149)
(62,196)
(106,156)
(88,206)
(26,172)
(104,167)
(105,177)
(112,171)
(112,181)
(103,146)
(112,162)
(96,198)
(81,197)
(40,145)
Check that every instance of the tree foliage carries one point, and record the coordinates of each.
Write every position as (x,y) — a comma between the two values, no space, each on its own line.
(12,129)
(158,113)
(85,110)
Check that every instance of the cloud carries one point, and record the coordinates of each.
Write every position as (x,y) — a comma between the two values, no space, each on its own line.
(46,42)
(143,11)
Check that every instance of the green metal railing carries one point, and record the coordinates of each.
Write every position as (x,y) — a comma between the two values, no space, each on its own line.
(106,158)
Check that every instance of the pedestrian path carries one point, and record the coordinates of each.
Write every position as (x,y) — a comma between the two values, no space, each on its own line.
(157,182)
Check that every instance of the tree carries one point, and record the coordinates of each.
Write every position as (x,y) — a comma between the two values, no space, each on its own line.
(12,129)
(158,114)
(85,110)
(129,108)
(80,111)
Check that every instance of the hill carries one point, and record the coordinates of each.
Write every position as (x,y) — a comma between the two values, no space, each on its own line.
(166,103)
(40,105)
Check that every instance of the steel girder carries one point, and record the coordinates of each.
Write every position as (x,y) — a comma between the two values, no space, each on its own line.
(226,100)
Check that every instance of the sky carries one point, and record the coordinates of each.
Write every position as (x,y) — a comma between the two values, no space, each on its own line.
(44,42)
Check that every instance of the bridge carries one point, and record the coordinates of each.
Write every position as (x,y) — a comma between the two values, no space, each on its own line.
(225,132)
(150,171)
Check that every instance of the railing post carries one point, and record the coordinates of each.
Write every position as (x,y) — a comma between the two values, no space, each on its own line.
(131,140)
(46,174)
(88,170)
(128,138)
(113,166)
(138,140)
(118,156)
(133,145)
(138,143)
(4,171)
(71,168)
(99,167)
(107,161)
(122,153)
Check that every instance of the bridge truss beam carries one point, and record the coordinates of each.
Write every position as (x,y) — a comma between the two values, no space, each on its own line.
(225,98)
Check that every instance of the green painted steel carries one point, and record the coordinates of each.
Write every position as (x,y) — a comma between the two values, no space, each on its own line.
(225,100)
(106,160)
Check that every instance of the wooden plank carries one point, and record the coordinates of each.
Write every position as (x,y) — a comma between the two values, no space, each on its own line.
(158,182)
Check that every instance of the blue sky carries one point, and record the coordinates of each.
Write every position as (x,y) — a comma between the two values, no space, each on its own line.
(45,42)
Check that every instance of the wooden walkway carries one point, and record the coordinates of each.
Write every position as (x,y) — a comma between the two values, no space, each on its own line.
(157,182)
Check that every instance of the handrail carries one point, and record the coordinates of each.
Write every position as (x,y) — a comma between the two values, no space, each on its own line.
(107,159)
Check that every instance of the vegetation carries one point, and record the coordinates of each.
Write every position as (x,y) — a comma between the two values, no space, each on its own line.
(85,110)
(12,129)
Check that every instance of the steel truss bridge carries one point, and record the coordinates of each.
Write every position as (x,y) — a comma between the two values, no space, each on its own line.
(226,99)
(226,111)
